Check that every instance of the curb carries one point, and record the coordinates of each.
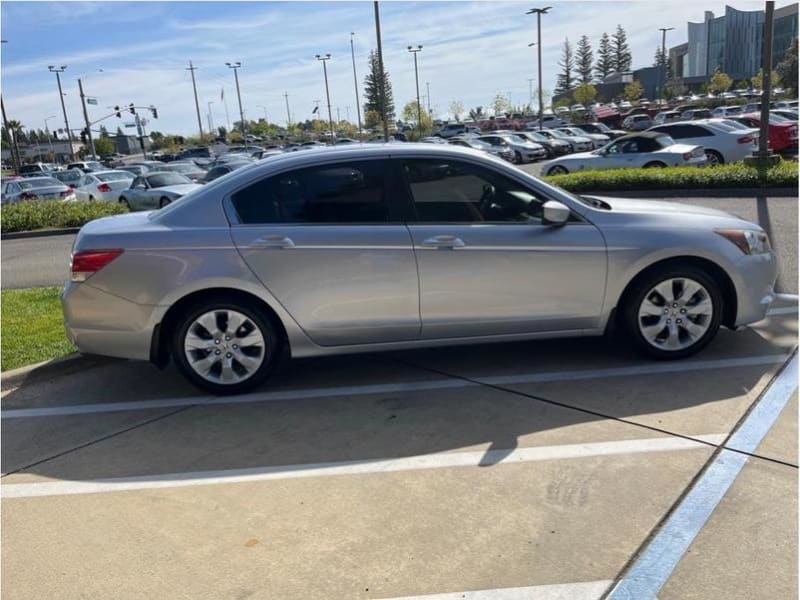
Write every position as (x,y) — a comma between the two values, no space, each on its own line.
(19,235)
(52,368)
(695,193)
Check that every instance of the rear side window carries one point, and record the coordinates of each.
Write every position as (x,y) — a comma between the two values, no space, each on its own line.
(349,192)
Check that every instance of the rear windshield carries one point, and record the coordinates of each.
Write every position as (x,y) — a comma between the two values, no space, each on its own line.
(37,182)
(114,176)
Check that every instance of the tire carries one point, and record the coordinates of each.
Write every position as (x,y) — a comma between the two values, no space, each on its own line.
(91,198)
(714,158)
(517,158)
(557,170)
(687,326)
(163,202)
(203,350)
(125,203)
(654,165)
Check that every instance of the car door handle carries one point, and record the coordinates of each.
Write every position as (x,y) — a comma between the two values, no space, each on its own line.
(443,241)
(273,241)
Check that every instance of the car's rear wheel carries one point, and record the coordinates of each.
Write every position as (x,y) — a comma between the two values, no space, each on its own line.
(557,170)
(163,202)
(225,346)
(673,312)
(714,158)
(125,203)
(91,198)
(655,165)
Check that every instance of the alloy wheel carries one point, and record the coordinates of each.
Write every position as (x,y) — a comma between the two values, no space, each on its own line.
(675,314)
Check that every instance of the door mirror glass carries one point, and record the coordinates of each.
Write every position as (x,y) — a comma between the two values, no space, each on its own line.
(554,213)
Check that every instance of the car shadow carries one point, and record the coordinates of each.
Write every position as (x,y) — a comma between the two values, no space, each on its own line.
(366,427)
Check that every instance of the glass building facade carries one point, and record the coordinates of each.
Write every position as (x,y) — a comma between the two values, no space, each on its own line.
(784,31)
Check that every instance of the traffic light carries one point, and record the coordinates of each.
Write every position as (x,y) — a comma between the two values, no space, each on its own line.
(119,114)
(154,110)
(130,108)
(84,135)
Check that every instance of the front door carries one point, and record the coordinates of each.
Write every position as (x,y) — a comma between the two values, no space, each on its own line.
(488,265)
(325,241)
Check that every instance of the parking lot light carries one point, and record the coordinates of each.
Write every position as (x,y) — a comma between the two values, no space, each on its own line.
(58,71)
(324,60)
(414,51)
(539,12)
(236,66)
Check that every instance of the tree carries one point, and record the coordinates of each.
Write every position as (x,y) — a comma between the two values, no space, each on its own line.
(583,60)
(605,58)
(500,104)
(661,59)
(633,91)
(103,131)
(787,69)
(720,82)
(103,145)
(566,64)
(585,93)
(476,114)
(674,87)
(410,115)
(372,118)
(620,51)
(758,79)
(372,89)
(456,109)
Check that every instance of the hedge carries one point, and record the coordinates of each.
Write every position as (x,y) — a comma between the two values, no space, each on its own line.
(723,176)
(54,214)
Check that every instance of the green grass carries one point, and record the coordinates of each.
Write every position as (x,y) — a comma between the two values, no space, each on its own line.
(54,214)
(721,177)
(32,327)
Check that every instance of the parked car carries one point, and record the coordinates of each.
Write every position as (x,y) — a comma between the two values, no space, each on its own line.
(194,153)
(666,116)
(325,267)
(136,170)
(636,150)
(554,147)
(70,177)
(87,166)
(721,142)
(523,149)
(345,140)
(752,107)
(576,143)
(726,111)
(36,169)
(787,104)
(548,122)
(223,169)
(598,139)
(103,185)
(693,114)
(156,189)
(601,129)
(36,188)
(637,122)
(452,129)
(782,134)
(189,169)
(786,113)
(502,151)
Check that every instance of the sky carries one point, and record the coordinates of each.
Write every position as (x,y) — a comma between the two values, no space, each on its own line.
(138,52)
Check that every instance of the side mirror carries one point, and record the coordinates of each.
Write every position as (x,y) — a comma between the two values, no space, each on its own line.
(554,213)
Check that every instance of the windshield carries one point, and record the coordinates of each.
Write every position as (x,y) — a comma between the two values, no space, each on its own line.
(775,119)
(183,168)
(162,179)
(602,127)
(37,182)
(114,176)
(478,145)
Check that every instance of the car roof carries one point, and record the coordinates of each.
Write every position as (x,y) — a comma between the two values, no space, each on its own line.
(650,135)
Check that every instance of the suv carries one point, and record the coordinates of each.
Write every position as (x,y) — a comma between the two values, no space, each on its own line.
(87,166)
(637,122)
(451,129)
(602,129)
(695,113)
(34,169)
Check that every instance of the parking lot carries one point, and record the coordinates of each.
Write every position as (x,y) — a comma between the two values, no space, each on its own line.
(525,470)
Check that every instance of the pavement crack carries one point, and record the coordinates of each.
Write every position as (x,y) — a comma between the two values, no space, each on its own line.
(96,441)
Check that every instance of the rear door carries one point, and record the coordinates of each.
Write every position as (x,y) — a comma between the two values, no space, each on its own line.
(329,244)
(488,265)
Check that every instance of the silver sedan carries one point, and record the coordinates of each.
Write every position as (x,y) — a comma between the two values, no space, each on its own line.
(387,247)
(156,189)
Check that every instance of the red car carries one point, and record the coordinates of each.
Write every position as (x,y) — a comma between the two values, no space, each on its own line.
(782,134)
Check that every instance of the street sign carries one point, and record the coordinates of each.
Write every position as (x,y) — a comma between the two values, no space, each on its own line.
(91,101)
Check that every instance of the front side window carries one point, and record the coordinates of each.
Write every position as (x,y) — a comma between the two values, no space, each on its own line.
(348,192)
(451,191)
(165,179)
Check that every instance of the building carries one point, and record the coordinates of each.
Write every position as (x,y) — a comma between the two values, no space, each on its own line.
(58,152)
(678,60)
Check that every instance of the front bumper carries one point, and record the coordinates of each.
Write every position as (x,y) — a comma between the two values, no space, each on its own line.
(755,287)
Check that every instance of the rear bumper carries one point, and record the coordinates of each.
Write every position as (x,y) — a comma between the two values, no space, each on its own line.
(101,323)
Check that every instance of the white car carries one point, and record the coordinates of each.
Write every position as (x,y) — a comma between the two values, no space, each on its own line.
(726,111)
(639,150)
(103,185)
(598,139)
(722,142)
(576,143)
(524,150)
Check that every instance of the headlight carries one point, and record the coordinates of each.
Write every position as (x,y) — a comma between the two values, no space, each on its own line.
(747,240)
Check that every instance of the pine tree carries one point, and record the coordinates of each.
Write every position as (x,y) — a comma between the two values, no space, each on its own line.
(103,131)
(372,89)
(605,62)
(621,52)
(565,81)
(583,60)
(661,59)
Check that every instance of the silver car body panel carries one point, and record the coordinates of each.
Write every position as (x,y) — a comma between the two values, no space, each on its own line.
(355,288)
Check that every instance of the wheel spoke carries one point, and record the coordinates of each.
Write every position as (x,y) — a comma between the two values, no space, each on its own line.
(195,342)
(228,374)
(652,331)
(254,338)
(209,323)
(704,307)
(690,288)
(203,366)
(673,341)
(649,308)
(248,362)
(666,290)
(235,320)
(694,330)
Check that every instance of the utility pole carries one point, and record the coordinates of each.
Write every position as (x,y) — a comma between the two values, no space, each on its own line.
(210,119)
(86,119)
(428,97)
(381,85)
(192,69)
(414,51)
(49,137)
(662,79)
(58,72)
(236,66)
(12,136)
(355,82)
(325,60)
(539,12)
(288,112)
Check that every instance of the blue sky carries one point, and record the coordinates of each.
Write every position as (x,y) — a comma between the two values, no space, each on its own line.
(138,51)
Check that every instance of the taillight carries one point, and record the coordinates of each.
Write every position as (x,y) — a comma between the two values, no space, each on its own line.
(748,139)
(103,187)
(86,263)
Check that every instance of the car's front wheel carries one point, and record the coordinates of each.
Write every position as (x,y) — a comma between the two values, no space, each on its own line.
(125,203)
(225,346)
(673,312)
(557,170)
(714,158)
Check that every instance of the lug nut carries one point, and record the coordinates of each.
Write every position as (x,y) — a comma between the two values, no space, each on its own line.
(228,355)
(669,321)
(679,321)
(683,311)
(217,351)
(216,341)
(235,347)
(227,338)
(674,305)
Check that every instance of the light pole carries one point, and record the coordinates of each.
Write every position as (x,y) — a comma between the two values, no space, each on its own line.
(355,82)
(236,66)
(58,72)
(539,12)
(192,69)
(663,75)
(381,78)
(49,137)
(428,97)
(86,119)
(210,119)
(414,51)
(324,60)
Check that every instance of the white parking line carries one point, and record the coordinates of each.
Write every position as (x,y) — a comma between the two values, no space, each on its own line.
(786,310)
(655,565)
(391,388)
(357,467)
(585,590)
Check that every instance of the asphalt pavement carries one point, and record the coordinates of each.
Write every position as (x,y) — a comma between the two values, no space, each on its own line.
(45,261)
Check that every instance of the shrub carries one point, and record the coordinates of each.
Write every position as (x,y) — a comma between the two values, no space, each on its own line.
(724,176)
(54,214)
